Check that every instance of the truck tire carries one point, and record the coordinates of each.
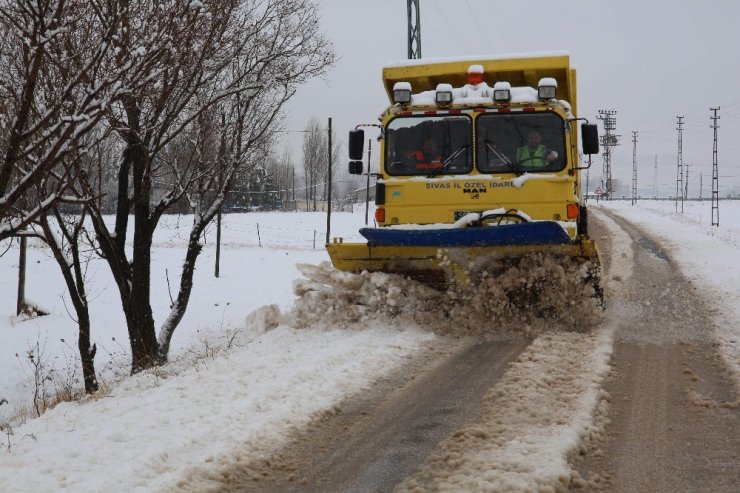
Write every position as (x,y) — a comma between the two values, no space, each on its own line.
(582,221)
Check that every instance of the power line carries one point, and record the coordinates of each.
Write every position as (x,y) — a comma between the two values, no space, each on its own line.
(452,29)
(480,29)
(693,117)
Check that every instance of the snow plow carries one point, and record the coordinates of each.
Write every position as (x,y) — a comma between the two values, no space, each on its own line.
(479,167)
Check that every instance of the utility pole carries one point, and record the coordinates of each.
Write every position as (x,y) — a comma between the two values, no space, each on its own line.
(715,172)
(634,167)
(367,186)
(414,41)
(686,185)
(701,184)
(328,200)
(608,141)
(679,163)
(217,267)
(655,177)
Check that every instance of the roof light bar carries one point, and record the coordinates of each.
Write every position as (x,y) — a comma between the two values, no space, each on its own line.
(443,94)
(402,92)
(502,92)
(547,88)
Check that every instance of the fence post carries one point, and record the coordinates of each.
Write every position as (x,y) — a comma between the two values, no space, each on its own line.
(328,205)
(21,278)
(259,240)
(218,242)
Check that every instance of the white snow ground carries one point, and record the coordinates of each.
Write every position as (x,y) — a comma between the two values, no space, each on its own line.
(238,386)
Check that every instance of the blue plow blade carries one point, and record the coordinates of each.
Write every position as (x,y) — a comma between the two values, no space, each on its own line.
(530,233)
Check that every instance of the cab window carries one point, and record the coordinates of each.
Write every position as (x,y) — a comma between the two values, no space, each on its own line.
(427,145)
(520,143)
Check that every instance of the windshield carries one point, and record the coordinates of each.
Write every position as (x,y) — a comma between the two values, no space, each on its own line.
(428,145)
(519,143)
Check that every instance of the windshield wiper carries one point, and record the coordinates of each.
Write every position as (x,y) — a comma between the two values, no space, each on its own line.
(447,161)
(503,158)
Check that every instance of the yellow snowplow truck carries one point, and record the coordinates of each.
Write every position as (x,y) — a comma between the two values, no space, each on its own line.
(479,159)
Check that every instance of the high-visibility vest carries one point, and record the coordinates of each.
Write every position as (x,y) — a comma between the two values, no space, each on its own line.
(524,158)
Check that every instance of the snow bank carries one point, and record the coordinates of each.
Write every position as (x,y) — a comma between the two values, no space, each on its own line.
(258,256)
(534,294)
(173,427)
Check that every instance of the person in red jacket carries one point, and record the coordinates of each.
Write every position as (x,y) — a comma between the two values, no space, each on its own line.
(428,157)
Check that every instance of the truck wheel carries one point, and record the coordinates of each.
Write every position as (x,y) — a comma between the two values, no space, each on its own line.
(582,221)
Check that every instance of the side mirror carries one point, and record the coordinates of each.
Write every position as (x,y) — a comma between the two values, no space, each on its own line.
(356,141)
(590,138)
(355,167)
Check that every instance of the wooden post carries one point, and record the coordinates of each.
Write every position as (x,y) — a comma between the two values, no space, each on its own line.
(21,278)
(367,188)
(328,209)
(218,241)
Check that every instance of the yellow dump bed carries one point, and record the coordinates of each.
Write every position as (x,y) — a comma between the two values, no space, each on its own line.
(518,70)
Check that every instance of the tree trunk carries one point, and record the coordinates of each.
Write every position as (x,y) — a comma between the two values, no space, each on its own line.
(141,332)
(138,309)
(73,278)
(183,297)
(87,352)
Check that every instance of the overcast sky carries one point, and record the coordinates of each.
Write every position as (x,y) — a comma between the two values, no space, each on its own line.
(650,60)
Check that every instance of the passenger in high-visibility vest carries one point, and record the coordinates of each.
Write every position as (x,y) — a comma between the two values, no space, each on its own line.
(428,157)
(534,154)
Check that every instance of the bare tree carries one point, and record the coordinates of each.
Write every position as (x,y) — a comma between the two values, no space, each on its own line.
(282,173)
(53,93)
(314,159)
(226,70)
(55,89)
(62,233)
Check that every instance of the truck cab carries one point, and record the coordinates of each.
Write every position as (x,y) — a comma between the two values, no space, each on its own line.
(503,141)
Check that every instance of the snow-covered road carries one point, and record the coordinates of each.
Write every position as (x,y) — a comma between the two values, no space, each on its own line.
(673,417)
(225,397)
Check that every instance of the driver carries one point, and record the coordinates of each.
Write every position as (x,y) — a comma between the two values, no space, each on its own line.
(534,154)
(428,157)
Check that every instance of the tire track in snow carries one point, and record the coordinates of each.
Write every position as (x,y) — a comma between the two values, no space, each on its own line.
(375,439)
(674,417)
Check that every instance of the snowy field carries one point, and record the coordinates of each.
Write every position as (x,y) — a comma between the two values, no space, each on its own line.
(258,264)
(242,379)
